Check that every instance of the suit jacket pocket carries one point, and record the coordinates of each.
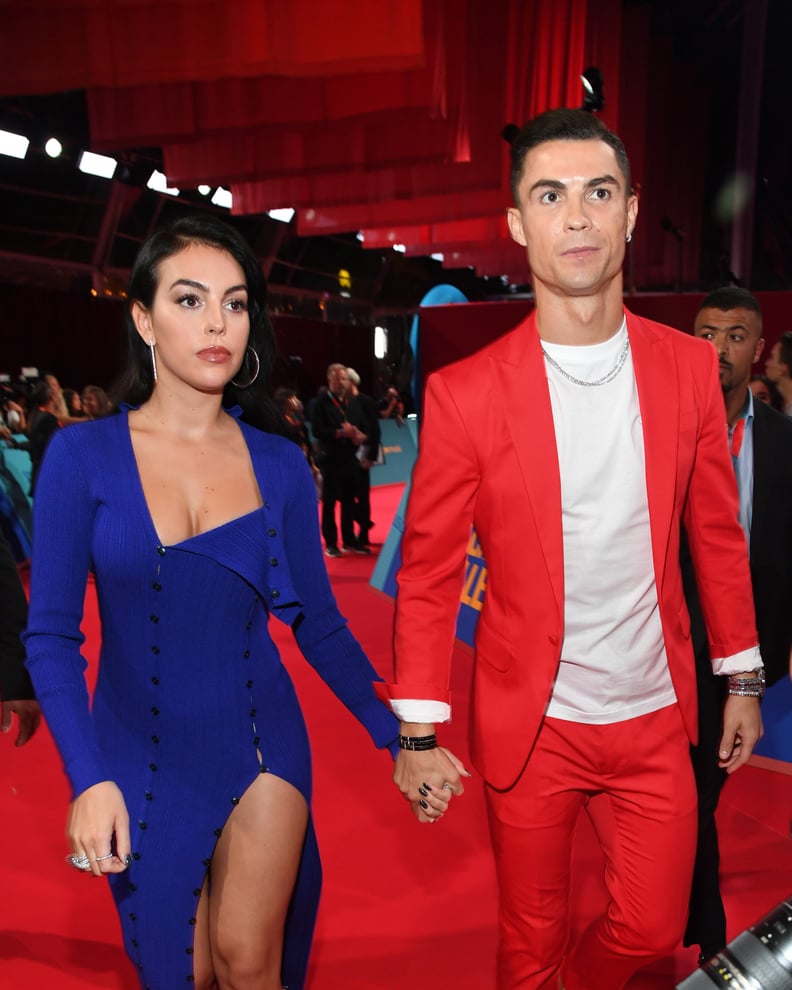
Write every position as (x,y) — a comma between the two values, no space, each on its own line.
(492,648)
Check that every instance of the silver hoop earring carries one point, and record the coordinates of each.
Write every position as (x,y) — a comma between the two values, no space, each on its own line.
(255,373)
(153,359)
(629,237)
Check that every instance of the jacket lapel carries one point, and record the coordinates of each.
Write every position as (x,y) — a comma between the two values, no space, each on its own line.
(657,382)
(520,371)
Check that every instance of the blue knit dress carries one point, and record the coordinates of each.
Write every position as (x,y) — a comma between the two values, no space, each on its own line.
(192,700)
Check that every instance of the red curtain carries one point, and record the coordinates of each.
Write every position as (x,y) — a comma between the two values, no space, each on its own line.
(51,45)
(381,116)
(163,113)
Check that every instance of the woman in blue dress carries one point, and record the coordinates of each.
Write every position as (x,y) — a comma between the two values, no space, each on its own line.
(191,768)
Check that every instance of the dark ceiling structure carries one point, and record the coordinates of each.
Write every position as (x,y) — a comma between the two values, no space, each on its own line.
(385,132)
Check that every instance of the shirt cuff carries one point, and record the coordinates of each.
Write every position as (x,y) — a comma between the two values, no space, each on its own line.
(738,663)
(420,711)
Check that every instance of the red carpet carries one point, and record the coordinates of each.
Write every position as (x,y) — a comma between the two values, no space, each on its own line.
(403,905)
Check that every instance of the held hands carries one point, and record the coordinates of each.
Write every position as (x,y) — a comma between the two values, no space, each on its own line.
(98,828)
(428,780)
(742,730)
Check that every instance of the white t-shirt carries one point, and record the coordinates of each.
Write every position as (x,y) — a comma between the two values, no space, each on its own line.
(613,659)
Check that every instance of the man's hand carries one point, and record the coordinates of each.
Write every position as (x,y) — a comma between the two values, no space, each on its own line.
(428,779)
(27,711)
(742,730)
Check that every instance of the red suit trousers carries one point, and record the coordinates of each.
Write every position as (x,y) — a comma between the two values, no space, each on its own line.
(645,818)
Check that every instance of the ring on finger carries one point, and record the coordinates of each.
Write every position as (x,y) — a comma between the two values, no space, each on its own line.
(79,861)
(101,859)
(448,787)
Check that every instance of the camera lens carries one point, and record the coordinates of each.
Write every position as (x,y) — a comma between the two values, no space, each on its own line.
(760,958)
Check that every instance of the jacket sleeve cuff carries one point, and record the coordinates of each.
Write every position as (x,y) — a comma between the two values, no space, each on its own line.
(738,663)
(423,703)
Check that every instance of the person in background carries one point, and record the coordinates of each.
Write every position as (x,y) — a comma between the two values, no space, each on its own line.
(73,402)
(339,436)
(13,412)
(288,401)
(778,368)
(364,407)
(95,402)
(765,391)
(391,405)
(191,770)
(574,446)
(43,422)
(16,689)
(760,439)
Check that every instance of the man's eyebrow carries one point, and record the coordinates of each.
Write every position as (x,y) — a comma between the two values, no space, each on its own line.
(546,184)
(556,184)
(603,180)
(729,329)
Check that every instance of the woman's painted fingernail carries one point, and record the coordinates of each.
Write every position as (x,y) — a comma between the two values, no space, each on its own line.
(423,804)
(424,792)
(427,786)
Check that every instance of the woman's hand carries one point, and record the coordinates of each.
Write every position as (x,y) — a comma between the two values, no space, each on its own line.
(98,827)
(428,779)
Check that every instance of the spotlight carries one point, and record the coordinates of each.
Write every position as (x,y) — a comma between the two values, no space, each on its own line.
(100,165)
(284,214)
(222,197)
(53,147)
(159,183)
(760,958)
(593,93)
(204,190)
(13,145)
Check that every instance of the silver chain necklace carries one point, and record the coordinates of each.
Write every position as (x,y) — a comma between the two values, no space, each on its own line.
(599,381)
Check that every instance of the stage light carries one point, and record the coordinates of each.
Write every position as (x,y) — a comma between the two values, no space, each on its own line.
(159,183)
(380,343)
(284,215)
(439,256)
(204,190)
(53,147)
(760,958)
(13,145)
(222,197)
(401,248)
(593,92)
(100,165)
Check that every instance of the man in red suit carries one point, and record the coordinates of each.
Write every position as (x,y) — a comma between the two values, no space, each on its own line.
(574,446)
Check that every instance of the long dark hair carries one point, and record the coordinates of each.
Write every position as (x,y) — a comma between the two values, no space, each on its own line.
(137,383)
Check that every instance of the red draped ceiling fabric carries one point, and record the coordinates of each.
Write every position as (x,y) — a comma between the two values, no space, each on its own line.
(382,116)
(84,43)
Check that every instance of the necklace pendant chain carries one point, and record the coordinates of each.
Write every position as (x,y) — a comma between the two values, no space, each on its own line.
(599,381)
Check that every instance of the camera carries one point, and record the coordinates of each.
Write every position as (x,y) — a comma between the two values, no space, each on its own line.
(760,958)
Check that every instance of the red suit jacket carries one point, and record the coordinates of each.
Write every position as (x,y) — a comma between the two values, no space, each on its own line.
(487,459)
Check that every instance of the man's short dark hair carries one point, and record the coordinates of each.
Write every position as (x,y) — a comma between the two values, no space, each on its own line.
(731,297)
(563,125)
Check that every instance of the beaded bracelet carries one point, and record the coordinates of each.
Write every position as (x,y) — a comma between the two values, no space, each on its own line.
(748,687)
(417,743)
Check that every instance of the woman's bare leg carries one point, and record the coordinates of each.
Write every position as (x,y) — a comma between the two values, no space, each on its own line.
(252,876)
(203,970)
